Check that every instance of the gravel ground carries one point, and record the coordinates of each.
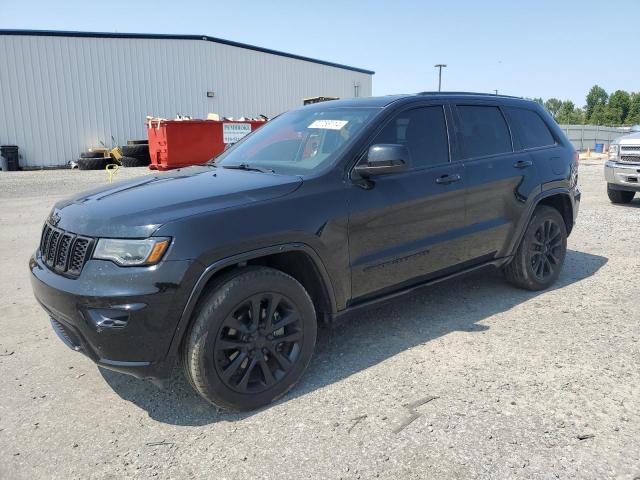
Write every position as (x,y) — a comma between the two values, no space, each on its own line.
(468,379)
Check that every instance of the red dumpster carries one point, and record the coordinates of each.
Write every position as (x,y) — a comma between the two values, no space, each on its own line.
(180,143)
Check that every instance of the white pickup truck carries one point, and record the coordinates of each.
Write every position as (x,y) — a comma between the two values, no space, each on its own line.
(622,170)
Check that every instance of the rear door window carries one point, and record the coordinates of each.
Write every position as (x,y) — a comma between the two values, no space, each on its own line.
(530,129)
(484,131)
(424,132)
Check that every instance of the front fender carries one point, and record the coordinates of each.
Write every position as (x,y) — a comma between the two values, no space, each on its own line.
(217,266)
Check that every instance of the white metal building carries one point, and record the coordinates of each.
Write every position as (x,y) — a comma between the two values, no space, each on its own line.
(62,92)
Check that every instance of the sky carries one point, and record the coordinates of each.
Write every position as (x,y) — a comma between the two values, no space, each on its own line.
(525,48)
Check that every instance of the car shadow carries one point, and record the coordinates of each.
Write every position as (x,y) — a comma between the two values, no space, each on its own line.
(363,338)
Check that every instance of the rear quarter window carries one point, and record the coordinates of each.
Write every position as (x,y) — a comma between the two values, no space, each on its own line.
(530,130)
(484,131)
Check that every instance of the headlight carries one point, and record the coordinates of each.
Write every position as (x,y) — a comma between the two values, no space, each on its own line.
(613,151)
(131,252)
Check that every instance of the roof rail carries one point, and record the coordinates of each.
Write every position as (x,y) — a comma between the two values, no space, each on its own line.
(483,94)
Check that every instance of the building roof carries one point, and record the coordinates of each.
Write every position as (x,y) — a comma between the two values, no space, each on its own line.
(159,36)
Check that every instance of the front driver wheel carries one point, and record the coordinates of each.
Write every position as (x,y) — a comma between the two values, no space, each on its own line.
(251,339)
(540,256)
(619,196)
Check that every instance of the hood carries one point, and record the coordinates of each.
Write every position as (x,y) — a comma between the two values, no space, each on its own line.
(136,208)
(632,138)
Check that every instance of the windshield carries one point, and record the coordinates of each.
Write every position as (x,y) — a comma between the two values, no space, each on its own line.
(298,142)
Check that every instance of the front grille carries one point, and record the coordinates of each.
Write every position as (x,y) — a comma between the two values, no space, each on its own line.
(65,247)
(79,255)
(630,158)
(628,148)
(63,251)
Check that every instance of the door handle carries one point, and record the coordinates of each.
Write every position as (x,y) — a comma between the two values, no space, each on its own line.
(447,179)
(523,164)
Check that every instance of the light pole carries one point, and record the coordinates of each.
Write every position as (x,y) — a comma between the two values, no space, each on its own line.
(496,91)
(439,66)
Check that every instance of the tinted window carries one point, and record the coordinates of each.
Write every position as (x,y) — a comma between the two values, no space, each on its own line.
(531,131)
(484,131)
(424,131)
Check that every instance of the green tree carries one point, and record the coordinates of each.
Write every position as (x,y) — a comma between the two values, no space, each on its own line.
(633,117)
(596,96)
(598,115)
(620,100)
(605,115)
(538,100)
(580,116)
(613,115)
(567,114)
(553,106)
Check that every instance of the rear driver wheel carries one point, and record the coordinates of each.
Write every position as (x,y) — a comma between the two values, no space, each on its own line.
(540,256)
(251,339)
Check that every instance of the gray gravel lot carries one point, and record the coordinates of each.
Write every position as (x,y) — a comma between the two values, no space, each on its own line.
(471,378)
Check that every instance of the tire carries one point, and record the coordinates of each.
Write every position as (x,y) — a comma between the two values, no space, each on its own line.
(135,150)
(242,368)
(137,142)
(541,253)
(92,155)
(92,163)
(619,196)
(134,162)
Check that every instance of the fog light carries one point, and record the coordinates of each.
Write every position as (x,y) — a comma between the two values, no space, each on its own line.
(112,318)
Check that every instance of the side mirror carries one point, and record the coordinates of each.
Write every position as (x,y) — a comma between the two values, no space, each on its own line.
(383,159)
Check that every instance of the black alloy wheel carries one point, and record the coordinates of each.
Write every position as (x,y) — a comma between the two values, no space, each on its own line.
(251,338)
(259,343)
(545,249)
(540,256)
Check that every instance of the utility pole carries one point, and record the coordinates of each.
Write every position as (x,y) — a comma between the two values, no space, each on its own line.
(496,91)
(439,66)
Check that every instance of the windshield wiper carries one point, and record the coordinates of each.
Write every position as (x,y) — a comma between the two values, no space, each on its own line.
(245,166)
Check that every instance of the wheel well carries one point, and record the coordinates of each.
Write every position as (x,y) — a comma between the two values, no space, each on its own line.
(295,263)
(301,267)
(561,203)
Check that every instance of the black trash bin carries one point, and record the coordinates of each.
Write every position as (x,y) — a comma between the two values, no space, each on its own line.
(10,153)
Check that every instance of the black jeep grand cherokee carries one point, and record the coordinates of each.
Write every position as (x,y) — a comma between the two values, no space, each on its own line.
(229,266)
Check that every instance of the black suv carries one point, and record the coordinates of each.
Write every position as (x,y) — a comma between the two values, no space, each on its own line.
(229,266)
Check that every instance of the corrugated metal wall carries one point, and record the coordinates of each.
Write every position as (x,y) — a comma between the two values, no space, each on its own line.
(586,136)
(61,95)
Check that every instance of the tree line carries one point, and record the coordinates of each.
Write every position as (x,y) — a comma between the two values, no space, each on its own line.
(619,108)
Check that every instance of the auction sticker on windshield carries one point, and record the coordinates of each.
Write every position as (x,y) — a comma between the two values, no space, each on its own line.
(329,124)
(233,132)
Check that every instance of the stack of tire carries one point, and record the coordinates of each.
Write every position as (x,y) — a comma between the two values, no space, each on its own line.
(92,160)
(135,154)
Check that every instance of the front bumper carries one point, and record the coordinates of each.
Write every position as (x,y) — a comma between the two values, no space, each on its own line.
(622,176)
(123,319)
